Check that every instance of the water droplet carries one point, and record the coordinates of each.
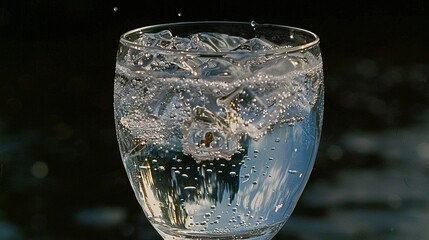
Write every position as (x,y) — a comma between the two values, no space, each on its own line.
(295,150)
(213,207)
(292,171)
(254,182)
(277,139)
(189,188)
(256,151)
(254,24)
(154,161)
(207,215)
(115,9)
(273,148)
(179,14)
(232,174)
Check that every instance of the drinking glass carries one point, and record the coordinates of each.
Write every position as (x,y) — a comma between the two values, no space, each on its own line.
(218,124)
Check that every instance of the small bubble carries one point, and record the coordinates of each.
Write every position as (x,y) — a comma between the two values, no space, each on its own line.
(256,151)
(213,207)
(179,14)
(253,24)
(277,139)
(295,150)
(274,148)
(115,9)
(292,171)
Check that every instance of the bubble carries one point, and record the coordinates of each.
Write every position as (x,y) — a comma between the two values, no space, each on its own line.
(115,9)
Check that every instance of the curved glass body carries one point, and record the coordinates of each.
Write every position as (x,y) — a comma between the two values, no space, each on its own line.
(218,124)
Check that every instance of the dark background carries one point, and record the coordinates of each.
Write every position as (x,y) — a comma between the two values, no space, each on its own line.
(61,176)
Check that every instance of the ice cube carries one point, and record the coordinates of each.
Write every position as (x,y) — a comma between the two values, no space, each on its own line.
(257,44)
(162,39)
(208,136)
(254,108)
(210,42)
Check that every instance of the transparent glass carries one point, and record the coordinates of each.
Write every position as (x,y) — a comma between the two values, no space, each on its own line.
(218,124)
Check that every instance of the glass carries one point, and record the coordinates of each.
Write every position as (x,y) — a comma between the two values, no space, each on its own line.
(218,124)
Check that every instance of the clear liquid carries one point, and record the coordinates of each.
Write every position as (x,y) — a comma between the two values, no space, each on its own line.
(214,156)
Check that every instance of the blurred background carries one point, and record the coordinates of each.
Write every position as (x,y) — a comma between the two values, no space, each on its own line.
(61,176)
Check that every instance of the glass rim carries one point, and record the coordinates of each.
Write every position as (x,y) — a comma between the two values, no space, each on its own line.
(313,43)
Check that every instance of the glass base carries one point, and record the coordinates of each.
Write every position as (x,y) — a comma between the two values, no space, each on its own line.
(265,233)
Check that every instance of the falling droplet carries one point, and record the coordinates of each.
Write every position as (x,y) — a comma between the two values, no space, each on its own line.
(253,24)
